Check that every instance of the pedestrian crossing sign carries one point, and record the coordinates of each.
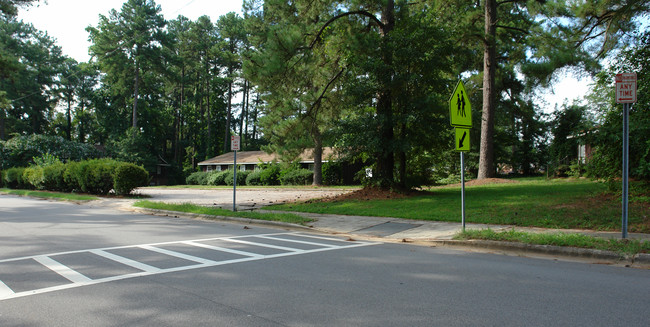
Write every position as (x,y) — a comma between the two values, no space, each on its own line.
(462,139)
(460,109)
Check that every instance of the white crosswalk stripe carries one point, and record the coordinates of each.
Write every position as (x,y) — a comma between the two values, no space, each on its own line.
(251,243)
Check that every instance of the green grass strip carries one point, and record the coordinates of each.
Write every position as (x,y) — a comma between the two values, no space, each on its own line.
(627,246)
(192,208)
(50,195)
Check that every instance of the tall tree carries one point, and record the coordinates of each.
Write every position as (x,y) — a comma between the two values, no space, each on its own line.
(128,43)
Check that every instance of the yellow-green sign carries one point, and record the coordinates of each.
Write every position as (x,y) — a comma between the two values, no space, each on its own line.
(460,110)
(462,139)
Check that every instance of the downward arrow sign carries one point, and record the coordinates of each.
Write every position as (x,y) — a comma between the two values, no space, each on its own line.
(462,139)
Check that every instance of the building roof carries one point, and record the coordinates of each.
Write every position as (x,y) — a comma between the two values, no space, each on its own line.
(255,157)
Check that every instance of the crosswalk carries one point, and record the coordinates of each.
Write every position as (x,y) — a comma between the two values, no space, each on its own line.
(39,274)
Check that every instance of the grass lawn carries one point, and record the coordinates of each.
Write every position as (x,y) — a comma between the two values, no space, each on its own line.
(50,195)
(627,246)
(555,203)
(191,208)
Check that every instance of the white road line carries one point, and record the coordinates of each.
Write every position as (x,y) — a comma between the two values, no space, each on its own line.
(177,254)
(296,241)
(126,261)
(264,245)
(217,248)
(62,270)
(79,280)
(5,290)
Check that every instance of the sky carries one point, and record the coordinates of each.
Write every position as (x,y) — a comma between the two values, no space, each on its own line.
(66,21)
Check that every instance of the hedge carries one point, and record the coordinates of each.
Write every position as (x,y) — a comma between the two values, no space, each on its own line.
(98,176)
(297,177)
(128,176)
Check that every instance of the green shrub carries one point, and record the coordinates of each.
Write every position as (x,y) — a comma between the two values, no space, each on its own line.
(96,176)
(13,178)
(217,178)
(270,175)
(193,178)
(253,179)
(297,177)
(71,176)
(562,171)
(128,176)
(53,177)
(241,177)
(332,173)
(33,177)
(576,169)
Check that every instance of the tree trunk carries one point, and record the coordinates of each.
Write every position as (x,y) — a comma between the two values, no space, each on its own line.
(242,116)
(208,150)
(385,157)
(486,155)
(69,117)
(318,158)
(226,138)
(135,96)
(2,123)
(245,131)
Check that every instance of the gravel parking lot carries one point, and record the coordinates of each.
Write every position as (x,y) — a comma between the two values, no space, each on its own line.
(247,198)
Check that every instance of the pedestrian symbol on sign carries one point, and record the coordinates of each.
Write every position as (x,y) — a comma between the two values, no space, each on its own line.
(460,109)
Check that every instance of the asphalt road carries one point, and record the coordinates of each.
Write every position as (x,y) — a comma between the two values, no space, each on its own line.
(64,264)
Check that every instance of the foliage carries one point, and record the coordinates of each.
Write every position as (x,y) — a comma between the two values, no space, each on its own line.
(33,177)
(254,178)
(270,174)
(13,177)
(297,177)
(217,178)
(53,177)
(332,173)
(96,176)
(606,161)
(22,150)
(128,176)
(241,177)
(195,178)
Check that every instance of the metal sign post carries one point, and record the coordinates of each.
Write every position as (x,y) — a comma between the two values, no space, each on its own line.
(234,145)
(462,187)
(460,116)
(625,94)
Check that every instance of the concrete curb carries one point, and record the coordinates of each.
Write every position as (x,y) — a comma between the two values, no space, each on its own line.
(641,259)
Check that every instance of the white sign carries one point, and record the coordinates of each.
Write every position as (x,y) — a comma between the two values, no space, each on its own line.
(626,88)
(234,142)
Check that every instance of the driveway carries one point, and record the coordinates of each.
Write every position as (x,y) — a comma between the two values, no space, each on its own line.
(247,198)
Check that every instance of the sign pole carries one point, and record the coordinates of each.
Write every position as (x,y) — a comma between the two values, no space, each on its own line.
(462,188)
(234,185)
(626,168)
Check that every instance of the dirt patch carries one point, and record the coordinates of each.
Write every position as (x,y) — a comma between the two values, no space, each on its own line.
(369,193)
(476,182)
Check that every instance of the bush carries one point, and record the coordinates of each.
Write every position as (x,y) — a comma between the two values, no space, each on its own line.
(253,179)
(562,171)
(53,177)
(33,177)
(13,178)
(241,177)
(217,178)
(270,175)
(297,177)
(332,173)
(96,176)
(71,176)
(128,176)
(194,178)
